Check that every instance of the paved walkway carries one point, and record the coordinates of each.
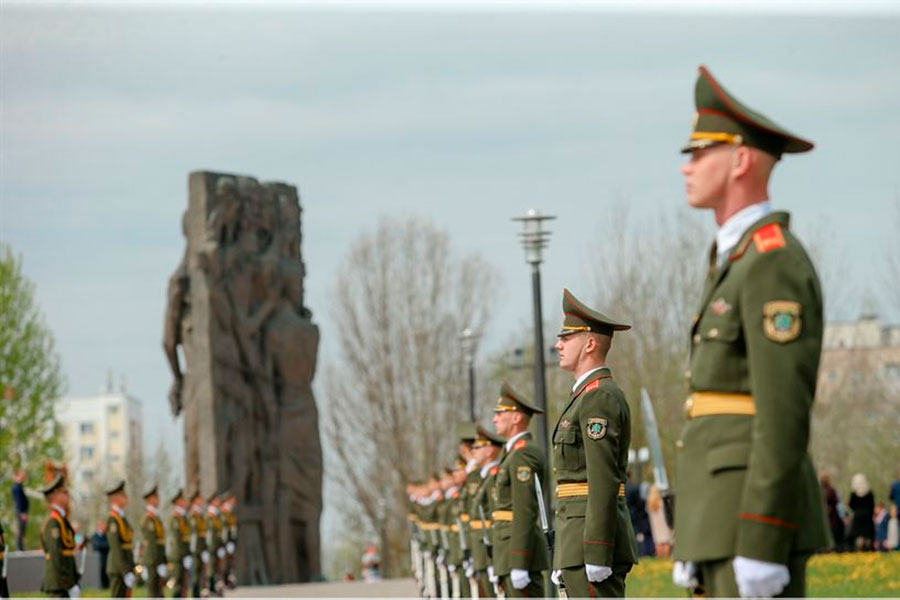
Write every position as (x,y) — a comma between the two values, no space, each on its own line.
(390,588)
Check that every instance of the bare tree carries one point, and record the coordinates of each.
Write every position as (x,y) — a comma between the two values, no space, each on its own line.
(400,301)
(650,274)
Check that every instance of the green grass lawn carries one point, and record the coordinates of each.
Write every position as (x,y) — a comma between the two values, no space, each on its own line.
(868,574)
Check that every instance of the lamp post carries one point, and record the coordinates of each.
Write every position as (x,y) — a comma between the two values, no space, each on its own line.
(469,340)
(534,240)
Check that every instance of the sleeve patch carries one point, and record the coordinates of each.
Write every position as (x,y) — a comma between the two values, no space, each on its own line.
(523,473)
(781,320)
(768,238)
(596,428)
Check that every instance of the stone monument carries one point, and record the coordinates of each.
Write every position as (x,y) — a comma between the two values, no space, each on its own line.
(242,348)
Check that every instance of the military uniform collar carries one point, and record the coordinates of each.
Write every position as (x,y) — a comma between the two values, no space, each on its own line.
(212,510)
(179,511)
(471,465)
(151,509)
(584,377)
(780,217)
(117,510)
(732,230)
(515,438)
(59,510)
(486,469)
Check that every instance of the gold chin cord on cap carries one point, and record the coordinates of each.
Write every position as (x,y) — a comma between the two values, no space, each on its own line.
(734,139)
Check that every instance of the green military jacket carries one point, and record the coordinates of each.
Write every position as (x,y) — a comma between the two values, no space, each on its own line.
(198,536)
(214,533)
(58,542)
(153,540)
(229,522)
(518,540)
(452,513)
(590,451)
(180,528)
(469,489)
(120,559)
(477,527)
(746,484)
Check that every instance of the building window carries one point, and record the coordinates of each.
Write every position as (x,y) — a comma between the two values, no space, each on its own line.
(87,428)
(87,452)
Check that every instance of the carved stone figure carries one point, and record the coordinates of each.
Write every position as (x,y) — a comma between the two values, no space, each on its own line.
(242,348)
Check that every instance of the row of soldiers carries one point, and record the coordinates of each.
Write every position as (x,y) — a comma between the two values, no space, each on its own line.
(749,509)
(195,559)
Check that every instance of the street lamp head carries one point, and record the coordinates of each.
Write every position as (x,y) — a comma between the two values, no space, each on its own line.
(534,237)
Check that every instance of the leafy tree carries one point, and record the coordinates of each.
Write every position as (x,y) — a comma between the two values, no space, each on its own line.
(30,380)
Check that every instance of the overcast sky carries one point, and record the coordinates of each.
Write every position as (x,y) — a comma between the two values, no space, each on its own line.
(466,117)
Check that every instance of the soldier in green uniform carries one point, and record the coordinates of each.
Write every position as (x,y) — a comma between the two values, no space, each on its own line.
(487,449)
(199,550)
(520,553)
(749,508)
(215,543)
(444,538)
(453,516)
(595,543)
(229,522)
(58,541)
(120,560)
(153,545)
(180,547)
(429,503)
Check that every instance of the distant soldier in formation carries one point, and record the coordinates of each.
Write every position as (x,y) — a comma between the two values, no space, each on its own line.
(153,545)
(229,505)
(595,543)
(120,561)
(199,549)
(58,542)
(520,552)
(215,543)
(487,448)
(180,554)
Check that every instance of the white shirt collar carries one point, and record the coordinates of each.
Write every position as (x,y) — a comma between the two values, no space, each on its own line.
(471,465)
(212,510)
(731,230)
(119,511)
(584,376)
(151,509)
(58,509)
(487,468)
(179,510)
(512,440)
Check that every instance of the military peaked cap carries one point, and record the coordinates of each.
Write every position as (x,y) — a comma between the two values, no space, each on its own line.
(579,317)
(486,437)
(510,400)
(118,486)
(55,484)
(722,119)
(178,494)
(153,490)
(466,431)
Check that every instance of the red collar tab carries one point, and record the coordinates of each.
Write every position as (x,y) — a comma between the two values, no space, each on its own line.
(768,237)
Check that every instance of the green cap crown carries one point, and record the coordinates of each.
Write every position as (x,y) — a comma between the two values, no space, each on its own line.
(178,494)
(466,431)
(723,119)
(511,400)
(579,317)
(151,491)
(117,486)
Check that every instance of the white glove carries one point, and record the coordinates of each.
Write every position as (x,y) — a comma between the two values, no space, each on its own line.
(491,577)
(556,577)
(129,579)
(230,547)
(684,574)
(759,579)
(74,591)
(187,561)
(162,570)
(440,558)
(145,573)
(596,573)
(204,556)
(520,578)
(220,552)
(470,569)
(451,568)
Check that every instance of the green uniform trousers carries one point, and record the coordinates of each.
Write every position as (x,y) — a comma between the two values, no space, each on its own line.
(485,587)
(117,588)
(464,591)
(578,586)
(534,589)
(718,578)
(182,584)
(154,583)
